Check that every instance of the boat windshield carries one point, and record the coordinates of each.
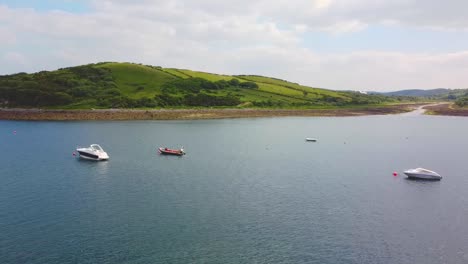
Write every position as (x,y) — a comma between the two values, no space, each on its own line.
(96,147)
(424,170)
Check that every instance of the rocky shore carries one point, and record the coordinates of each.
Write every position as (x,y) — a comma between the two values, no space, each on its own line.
(447,109)
(189,114)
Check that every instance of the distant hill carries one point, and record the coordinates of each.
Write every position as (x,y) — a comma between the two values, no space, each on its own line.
(129,85)
(440,93)
(418,92)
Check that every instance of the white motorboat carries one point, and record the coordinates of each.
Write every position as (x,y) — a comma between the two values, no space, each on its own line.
(424,174)
(93,152)
(311,139)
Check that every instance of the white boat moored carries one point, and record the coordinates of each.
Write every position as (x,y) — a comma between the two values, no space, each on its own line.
(424,174)
(93,152)
(311,139)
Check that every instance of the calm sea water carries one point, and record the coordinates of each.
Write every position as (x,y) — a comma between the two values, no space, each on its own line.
(248,191)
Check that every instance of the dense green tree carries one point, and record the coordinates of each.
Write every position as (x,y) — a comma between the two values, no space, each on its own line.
(249,85)
(209,100)
(234,82)
(462,101)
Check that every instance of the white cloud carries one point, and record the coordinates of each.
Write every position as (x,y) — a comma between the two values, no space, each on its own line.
(236,37)
(373,70)
(322,3)
(8,37)
(341,27)
(15,57)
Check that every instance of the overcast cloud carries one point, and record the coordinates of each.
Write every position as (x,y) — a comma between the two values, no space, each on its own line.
(321,43)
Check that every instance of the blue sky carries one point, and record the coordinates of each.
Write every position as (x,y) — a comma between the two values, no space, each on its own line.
(49,5)
(337,44)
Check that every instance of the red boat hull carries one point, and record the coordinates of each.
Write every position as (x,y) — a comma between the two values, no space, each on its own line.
(176,152)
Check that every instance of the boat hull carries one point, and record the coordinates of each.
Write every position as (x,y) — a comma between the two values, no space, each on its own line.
(423,176)
(91,156)
(171,152)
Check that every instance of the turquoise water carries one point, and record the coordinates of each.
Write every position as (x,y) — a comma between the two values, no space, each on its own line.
(248,191)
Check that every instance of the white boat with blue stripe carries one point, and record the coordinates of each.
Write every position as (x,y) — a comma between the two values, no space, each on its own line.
(93,152)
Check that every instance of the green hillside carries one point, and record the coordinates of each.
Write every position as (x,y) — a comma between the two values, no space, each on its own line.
(128,85)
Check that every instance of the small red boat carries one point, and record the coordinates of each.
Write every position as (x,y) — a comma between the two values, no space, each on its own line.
(177,152)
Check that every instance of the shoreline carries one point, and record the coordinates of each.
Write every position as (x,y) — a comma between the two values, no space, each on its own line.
(193,114)
(446,109)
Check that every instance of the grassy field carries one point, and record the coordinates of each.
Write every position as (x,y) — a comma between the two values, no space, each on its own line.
(286,84)
(129,85)
(208,76)
(137,81)
(176,73)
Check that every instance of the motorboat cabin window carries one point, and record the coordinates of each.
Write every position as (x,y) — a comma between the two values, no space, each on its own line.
(97,147)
